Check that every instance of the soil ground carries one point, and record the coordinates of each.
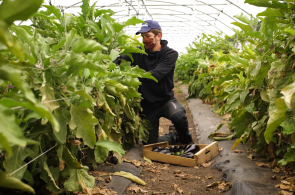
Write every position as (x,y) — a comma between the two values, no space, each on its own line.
(163,178)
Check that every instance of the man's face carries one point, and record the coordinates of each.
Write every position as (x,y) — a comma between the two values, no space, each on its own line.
(150,40)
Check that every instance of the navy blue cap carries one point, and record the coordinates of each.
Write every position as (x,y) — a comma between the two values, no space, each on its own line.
(148,25)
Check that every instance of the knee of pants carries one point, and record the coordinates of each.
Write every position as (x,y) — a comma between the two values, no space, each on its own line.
(179,117)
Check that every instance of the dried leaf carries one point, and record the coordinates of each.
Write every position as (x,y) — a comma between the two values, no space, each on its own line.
(108,179)
(209,177)
(285,182)
(208,164)
(177,171)
(250,156)
(136,163)
(284,192)
(283,186)
(76,142)
(61,165)
(238,151)
(220,149)
(196,167)
(136,189)
(261,164)
(161,130)
(276,170)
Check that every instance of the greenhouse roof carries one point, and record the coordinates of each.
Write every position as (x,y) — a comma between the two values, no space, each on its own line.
(182,21)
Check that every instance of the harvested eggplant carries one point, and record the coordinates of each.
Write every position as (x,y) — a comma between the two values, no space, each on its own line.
(186,151)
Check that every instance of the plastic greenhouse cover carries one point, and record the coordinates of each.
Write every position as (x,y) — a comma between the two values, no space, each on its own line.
(182,21)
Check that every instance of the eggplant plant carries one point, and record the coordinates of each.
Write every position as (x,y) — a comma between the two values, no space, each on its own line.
(251,76)
(64,105)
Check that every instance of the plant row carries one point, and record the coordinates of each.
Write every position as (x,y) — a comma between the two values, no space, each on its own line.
(64,105)
(251,76)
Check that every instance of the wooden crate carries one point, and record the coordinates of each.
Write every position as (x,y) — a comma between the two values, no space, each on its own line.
(206,153)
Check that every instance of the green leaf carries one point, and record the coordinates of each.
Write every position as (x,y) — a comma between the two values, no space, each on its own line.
(81,45)
(47,176)
(99,56)
(53,10)
(133,21)
(131,49)
(240,60)
(114,54)
(70,160)
(98,12)
(101,154)
(288,157)
(9,41)
(111,146)
(9,130)
(289,94)
(255,34)
(58,46)
(271,12)
(243,18)
(48,97)
(276,118)
(290,30)
(84,94)
(79,181)
(76,59)
(14,183)
(251,108)
(264,96)
(85,122)
(14,75)
(288,129)
(244,27)
(11,11)
(39,108)
(63,121)
(267,3)
(85,7)
(69,39)
(15,161)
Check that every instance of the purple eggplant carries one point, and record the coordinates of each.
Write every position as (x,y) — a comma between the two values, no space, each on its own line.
(187,155)
(192,148)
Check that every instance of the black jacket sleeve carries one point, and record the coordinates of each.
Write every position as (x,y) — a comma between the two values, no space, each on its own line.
(122,56)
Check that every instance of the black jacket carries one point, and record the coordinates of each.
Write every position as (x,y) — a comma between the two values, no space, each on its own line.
(161,65)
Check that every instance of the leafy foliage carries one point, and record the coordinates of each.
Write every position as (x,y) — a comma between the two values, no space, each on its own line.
(61,93)
(251,76)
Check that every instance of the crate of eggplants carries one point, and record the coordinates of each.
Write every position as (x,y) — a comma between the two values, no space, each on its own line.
(186,151)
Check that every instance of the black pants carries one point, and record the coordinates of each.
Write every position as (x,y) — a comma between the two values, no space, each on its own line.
(174,111)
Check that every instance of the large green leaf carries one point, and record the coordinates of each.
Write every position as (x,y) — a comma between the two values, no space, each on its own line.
(276,118)
(290,30)
(289,94)
(271,12)
(255,34)
(79,181)
(133,21)
(9,130)
(14,183)
(267,3)
(18,9)
(70,160)
(16,161)
(112,146)
(76,59)
(14,75)
(53,10)
(131,49)
(9,41)
(81,44)
(101,154)
(244,27)
(85,122)
(48,97)
(243,18)
(48,176)
(38,108)
(63,121)
(288,157)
